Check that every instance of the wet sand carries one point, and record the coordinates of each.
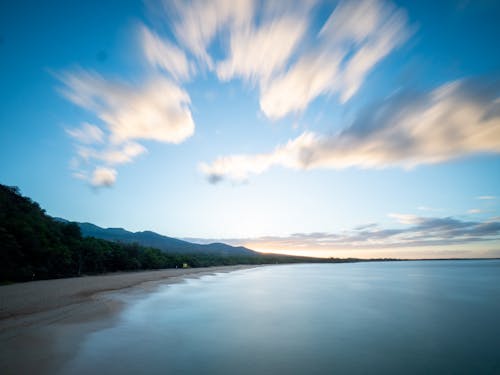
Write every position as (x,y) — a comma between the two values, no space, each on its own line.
(43,322)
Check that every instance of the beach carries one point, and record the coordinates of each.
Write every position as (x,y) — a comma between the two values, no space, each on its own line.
(43,322)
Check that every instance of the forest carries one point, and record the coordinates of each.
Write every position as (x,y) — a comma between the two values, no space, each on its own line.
(35,246)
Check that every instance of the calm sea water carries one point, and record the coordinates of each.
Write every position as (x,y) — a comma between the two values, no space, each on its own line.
(425,317)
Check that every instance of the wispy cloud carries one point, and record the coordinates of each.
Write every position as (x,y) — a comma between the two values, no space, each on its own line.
(154,108)
(112,155)
(456,119)
(486,197)
(261,42)
(165,55)
(357,35)
(157,110)
(195,23)
(274,46)
(417,232)
(257,52)
(87,133)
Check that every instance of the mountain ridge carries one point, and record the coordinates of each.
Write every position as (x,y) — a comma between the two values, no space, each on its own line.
(164,243)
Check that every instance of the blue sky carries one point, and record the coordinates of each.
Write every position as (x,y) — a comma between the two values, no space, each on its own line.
(352,128)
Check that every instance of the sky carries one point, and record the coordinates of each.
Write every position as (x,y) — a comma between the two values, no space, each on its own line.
(353,128)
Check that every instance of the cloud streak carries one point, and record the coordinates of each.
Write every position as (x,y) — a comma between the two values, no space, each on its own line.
(87,134)
(156,110)
(267,44)
(354,39)
(486,197)
(261,41)
(417,232)
(256,53)
(457,119)
(196,23)
(112,155)
(279,48)
(163,54)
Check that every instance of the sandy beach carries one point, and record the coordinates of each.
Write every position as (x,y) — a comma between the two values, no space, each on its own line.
(43,322)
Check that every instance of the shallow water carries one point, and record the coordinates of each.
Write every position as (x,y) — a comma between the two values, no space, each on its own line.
(388,318)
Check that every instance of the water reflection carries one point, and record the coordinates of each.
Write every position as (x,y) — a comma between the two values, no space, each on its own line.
(406,317)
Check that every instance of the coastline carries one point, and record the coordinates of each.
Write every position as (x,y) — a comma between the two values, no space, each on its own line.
(42,323)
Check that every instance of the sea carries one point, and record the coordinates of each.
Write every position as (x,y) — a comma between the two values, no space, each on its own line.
(399,317)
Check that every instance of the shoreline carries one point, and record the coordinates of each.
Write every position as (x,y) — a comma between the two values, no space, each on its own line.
(42,323)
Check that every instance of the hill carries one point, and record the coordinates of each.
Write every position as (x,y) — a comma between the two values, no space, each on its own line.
(158,241)
(35,246)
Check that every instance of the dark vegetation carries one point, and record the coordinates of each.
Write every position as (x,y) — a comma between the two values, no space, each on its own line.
(158,241)
(35,246)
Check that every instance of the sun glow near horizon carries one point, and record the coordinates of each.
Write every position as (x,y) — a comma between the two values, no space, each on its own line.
(430,252)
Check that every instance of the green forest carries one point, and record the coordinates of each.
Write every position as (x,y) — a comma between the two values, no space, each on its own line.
(34,246)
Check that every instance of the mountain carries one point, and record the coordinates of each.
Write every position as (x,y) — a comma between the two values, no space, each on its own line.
(158,241)
(35,246)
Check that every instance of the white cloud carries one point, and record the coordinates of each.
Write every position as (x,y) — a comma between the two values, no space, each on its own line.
(474,211)
(455,120)
(124,154)
(357,35)
(163,54)
(352,21)
(239,167)
(429,232)
(405,218)
(261,42)
(389,35)
(113,154)
(293,91)
(195,23)
(103,176)
(87,133)
(486,197)
(258,52)
(264,47)
(157,110)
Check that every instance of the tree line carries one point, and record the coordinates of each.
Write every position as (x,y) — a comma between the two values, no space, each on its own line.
(34,246)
